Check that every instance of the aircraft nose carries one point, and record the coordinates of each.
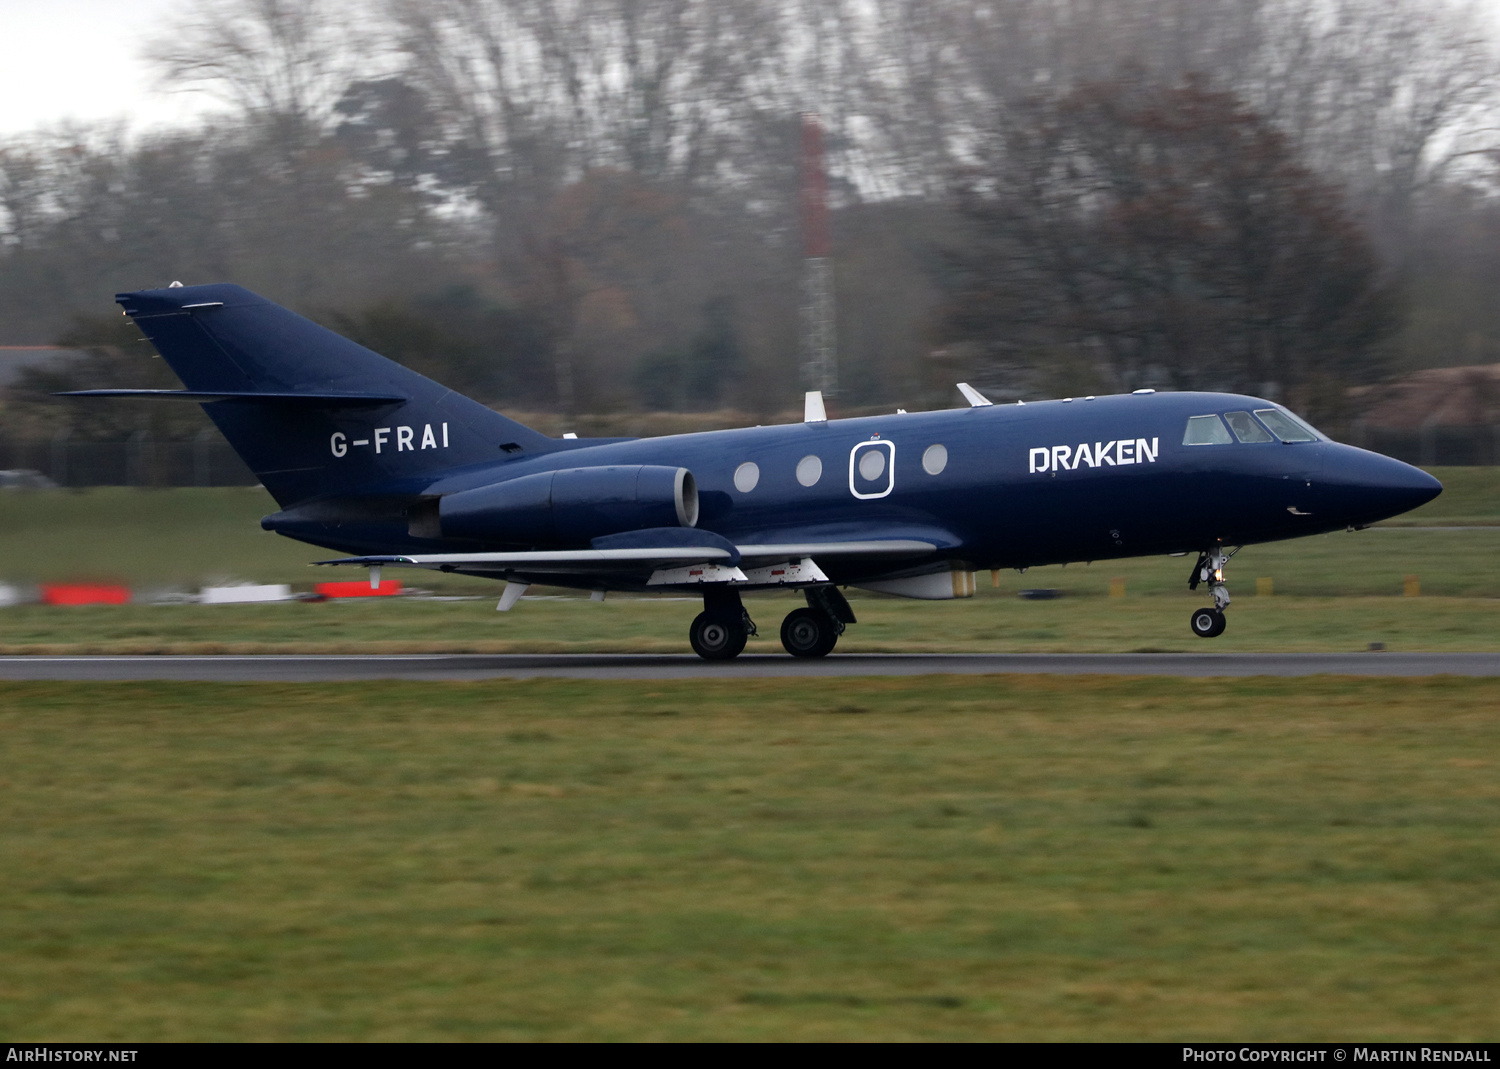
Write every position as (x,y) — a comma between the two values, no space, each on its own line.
(1368,486)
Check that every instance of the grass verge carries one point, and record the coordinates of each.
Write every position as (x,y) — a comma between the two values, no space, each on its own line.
(988,858)
(990,624)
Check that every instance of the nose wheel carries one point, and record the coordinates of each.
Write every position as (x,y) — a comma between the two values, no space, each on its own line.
(1210,622)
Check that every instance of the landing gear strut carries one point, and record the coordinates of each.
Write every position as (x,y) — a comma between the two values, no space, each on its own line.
(1210,623)
(815,630)
(720,631)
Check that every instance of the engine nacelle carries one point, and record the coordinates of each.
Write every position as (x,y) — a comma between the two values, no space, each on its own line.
(572,506)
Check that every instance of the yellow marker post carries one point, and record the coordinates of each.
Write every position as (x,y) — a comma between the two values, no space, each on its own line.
(1263,587)
(1117,587)
(1413,586)
(995,578)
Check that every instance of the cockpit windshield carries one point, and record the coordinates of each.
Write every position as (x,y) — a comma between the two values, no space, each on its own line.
(1245,428)
(1266,425)
(1286,426)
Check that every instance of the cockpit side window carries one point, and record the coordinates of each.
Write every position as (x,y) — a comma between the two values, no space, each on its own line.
(1245,428)
(1205,430)
(1285,426)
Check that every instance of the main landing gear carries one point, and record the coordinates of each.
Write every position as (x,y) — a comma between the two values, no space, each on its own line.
(720,631)
(1210,622)
(809,633)
(815,630)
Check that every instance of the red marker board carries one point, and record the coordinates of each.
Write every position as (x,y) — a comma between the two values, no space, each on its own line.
(358,589)
(84,594)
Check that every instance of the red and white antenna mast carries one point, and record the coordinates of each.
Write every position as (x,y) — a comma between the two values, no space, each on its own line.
(819,351)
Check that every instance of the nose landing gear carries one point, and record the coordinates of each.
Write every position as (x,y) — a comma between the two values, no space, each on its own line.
(1210,623)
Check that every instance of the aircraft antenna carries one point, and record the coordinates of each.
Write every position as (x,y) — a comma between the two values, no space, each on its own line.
(819,349)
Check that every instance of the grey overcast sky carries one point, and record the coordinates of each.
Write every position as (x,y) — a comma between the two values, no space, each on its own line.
(80,59)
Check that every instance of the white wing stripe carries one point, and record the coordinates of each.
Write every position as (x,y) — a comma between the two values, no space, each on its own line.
(575,556)
(603,559)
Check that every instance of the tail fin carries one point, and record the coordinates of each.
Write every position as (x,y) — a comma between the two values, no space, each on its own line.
(311,412)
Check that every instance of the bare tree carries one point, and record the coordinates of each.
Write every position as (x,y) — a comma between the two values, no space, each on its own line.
(546,90)
(23,194)
(283,61)
(1384,95)
(1173,233)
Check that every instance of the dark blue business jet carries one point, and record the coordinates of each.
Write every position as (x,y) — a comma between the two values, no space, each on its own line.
(368,458)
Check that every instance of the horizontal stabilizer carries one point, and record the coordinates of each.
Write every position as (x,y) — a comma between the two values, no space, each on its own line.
(314,400)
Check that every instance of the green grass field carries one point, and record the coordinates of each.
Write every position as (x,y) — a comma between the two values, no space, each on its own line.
(990,623)
(978,858)
(940,858)
(1338,591)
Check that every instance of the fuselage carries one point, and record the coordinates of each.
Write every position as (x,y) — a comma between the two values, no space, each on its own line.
(1002,486)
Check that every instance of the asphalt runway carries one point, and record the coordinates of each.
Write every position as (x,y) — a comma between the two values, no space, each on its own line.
(333,668)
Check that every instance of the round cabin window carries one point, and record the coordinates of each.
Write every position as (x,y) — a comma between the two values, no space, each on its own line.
(935,459)
(746,476)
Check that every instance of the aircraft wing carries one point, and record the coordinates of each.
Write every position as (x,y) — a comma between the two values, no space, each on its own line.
(643,560)
(553,561)
(871,547)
